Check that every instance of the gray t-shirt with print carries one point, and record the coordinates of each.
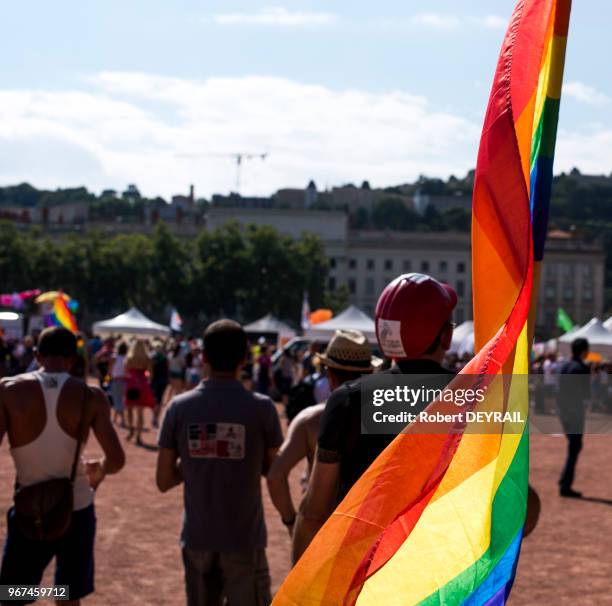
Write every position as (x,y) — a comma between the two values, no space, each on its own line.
(222,432)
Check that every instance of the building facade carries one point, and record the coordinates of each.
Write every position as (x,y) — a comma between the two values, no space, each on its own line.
(363,262)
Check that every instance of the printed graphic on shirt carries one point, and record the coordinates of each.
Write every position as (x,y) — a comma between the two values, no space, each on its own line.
(389,335)
(216,440)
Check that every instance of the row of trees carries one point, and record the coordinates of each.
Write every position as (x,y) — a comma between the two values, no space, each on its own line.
(226,272)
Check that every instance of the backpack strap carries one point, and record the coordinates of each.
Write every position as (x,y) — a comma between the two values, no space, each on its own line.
(81,432)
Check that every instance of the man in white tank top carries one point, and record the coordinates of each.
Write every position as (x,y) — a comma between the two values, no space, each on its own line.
(41,413)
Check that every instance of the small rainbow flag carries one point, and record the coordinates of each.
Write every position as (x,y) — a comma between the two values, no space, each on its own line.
(438,519)
(63,316)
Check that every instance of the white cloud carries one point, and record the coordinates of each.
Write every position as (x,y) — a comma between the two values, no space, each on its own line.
(437,21)
(276,16)
(164,133)
(591,152)
(585,93)
(449,22)
(490,21)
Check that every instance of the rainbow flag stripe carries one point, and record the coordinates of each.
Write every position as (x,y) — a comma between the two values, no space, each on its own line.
(63,316)
(438,519)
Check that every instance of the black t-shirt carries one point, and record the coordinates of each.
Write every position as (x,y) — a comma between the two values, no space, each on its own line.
(572,393)
(340,437)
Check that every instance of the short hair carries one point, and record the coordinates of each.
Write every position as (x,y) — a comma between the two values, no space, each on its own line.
(122,348)
(579,346)
(57,341)
(225,345)
(344,376)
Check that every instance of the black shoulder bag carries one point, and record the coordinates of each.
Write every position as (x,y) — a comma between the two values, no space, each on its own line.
(43,511)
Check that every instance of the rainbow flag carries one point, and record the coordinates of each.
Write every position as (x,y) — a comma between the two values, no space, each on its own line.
(438,518)
(63,316)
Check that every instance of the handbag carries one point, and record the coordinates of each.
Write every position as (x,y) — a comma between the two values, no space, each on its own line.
(43,511)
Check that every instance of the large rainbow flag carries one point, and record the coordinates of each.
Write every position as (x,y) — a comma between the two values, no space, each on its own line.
(438,519)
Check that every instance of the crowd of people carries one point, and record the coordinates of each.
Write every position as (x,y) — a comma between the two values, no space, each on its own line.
(218,402)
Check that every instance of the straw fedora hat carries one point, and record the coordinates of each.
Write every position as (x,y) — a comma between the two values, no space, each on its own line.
(349,350)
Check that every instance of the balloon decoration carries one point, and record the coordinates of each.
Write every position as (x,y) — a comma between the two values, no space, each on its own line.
(17,300)
(320,315)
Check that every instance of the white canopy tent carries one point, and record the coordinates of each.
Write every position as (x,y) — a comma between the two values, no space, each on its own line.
(11,324)
(132,322)
(351,318)
(463,339)
(608,323)
(594,331)
(270,325)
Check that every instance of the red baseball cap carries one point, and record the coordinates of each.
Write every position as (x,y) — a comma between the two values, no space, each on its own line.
(410,313)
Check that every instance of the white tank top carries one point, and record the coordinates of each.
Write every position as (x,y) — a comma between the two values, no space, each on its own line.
(51,454)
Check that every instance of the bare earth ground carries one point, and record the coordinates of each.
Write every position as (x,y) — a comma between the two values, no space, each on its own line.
(566,561)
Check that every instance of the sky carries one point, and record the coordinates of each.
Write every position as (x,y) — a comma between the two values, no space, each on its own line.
(164,94)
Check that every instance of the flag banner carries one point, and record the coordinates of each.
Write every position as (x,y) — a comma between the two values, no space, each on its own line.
(62,315)
(564,322)
(438,519)
(176,322)
(305,312)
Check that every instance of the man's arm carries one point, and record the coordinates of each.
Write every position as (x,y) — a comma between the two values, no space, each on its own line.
(317,506)
(293,450)
(168,473)
(114,456)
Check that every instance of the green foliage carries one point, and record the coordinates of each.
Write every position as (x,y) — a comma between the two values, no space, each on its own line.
(226,272)
(337,300)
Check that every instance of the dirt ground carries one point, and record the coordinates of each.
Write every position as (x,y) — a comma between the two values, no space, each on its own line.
(567,560)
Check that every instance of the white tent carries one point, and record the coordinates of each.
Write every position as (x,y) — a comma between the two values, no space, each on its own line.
(608,323)
(463,339)
(270,325)
(132,322)
(351,318)
(594,331)
(11,324)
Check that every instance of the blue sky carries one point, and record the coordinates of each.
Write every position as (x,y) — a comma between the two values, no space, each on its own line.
(156,93)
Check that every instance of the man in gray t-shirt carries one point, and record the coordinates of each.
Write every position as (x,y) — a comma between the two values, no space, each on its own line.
(219,439)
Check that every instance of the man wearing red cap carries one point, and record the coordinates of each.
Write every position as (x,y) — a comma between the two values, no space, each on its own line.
(414,329)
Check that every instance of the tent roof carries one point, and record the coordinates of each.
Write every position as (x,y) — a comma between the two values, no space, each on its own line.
(594,331)
(269,324)
(352,318)
(132,322)
(608,323)
(463,339)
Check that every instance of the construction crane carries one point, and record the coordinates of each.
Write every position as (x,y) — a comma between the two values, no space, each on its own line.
(237,157)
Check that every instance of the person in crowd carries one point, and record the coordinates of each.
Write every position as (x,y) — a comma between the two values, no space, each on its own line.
(347,357)
(285,374)
(103,361)
(308,361)
(138,393)
(264,369)
(176,367)
(218,440)
(80,367)
(414,328)
(47,416)
(4,355)
(27,353)
(118,376)
(574,390)
(195,368)
(550,368)
(159,378)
